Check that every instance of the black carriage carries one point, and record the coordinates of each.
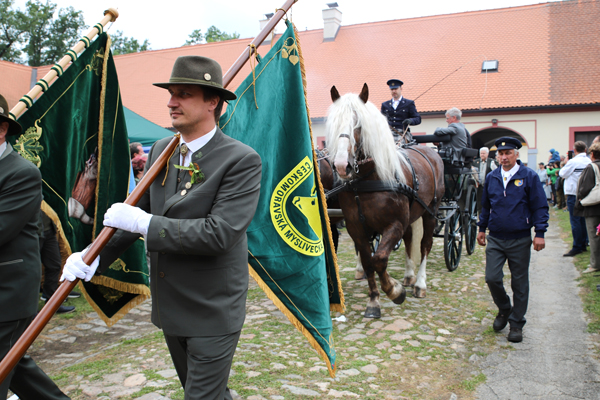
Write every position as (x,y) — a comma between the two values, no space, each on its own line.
(457,214)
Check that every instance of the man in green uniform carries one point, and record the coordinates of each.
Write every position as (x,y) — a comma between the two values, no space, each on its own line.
(20,265)
(195,227)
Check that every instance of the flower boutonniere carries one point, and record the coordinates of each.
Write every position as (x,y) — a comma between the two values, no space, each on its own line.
(195,172)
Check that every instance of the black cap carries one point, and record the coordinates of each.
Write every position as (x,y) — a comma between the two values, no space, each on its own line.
(394,83)
(508,143)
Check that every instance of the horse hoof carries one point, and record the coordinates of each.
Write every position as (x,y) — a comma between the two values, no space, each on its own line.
(373,312)
(359,276)
(400,299)
(409,282)
(419,293)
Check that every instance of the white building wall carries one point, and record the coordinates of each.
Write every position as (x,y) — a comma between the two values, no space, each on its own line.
(541,131)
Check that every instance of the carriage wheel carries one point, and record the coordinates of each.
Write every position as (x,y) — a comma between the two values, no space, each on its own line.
(453,237)
(470,220)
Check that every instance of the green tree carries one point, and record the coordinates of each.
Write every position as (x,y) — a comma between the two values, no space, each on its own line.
(195,37)
(213,34)
(125,45)
(11,31)
(36,33)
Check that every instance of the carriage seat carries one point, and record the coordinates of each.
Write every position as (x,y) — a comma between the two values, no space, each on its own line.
(453,160)
(431,138)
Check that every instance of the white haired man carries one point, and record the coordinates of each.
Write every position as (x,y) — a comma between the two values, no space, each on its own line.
(460,137)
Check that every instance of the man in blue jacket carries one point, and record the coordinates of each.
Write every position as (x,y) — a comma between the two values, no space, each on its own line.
(400,111)
(513,202)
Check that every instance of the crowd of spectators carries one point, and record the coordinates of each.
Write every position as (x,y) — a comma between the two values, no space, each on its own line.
(566,180)
(571,179)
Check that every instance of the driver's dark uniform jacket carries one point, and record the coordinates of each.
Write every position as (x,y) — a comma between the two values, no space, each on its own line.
(406,109)
(511,213)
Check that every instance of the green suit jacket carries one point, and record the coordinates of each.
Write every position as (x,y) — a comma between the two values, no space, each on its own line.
(197,239)
(20,265)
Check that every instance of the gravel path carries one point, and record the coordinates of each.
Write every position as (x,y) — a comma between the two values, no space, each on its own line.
(554,360)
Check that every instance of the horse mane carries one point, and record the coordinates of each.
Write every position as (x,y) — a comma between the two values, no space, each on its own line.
(377,139)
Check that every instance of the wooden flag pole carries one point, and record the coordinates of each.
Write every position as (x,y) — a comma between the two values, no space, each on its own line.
(37,325)
(42,85)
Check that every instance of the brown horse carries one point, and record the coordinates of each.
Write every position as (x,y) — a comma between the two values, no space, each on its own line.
(362,147)
(327,180)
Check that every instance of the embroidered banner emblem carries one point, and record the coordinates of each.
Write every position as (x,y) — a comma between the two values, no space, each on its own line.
(307,205)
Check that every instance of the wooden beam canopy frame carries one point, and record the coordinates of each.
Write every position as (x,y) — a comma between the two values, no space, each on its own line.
(37,325)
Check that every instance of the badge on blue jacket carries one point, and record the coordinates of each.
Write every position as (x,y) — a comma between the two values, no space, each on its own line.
(518,182)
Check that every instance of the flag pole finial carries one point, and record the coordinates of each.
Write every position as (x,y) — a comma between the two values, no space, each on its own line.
(113,13)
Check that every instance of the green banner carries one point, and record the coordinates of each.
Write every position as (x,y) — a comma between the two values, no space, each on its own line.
(290,250)
(76,134)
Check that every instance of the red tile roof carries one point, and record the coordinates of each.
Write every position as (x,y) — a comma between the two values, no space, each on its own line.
(548,55)
(15,81)
(138,71)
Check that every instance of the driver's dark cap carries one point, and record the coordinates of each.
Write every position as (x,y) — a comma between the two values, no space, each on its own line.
(394,83)
(508,143)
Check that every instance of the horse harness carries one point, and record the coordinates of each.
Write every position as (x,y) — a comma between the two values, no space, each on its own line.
(359,184)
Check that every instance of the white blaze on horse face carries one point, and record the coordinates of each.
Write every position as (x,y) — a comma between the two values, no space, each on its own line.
(341,157)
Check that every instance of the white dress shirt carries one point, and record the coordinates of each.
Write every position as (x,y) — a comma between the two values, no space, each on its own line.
(195,145)
(507,175)
(396,102)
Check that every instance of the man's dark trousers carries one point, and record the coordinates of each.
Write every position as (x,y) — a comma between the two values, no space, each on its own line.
(26,380)
(518,253)
(578,228)
(203,364)
(50,255)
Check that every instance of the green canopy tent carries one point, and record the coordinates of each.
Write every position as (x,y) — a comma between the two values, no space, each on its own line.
(141,130)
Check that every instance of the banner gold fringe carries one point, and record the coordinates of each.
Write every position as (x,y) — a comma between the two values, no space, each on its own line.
(65,251)
(108,282)
(63,243)
(101,125)
(333,307)
(265,288)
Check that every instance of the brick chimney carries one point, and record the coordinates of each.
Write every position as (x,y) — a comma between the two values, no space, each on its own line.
(332,20)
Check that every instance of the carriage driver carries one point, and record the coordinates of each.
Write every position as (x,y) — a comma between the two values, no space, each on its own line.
(513,202)
(400,112)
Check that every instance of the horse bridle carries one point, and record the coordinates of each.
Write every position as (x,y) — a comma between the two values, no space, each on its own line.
(357,163)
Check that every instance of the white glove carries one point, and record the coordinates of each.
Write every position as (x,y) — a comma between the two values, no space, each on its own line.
(128,218)
(76,268)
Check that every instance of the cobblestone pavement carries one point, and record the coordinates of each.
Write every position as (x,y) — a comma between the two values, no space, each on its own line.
(441,347)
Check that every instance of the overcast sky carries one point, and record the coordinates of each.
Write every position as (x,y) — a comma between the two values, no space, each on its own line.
(168,24)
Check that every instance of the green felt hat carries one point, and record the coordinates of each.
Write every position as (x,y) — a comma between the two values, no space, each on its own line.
(14,128)
(198,70)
